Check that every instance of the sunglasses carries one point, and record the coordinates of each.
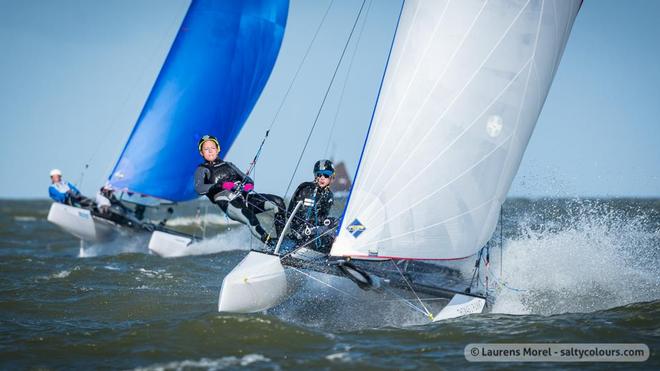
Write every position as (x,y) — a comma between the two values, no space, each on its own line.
(325,175)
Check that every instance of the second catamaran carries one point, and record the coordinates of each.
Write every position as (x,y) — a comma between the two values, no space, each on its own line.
(214,73)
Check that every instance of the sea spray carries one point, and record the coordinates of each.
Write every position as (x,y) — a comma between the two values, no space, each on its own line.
(121,245)
(585,257)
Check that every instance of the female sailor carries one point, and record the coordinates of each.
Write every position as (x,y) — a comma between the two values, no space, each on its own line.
(233,191)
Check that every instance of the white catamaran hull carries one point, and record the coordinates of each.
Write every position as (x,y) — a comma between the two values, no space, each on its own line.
(168,245)
(257,283)
(81,223)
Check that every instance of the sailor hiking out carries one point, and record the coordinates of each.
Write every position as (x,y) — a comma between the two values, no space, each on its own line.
(312,226)
(233,191)
(64,192)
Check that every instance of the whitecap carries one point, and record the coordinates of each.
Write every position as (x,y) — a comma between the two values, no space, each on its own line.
(208,363)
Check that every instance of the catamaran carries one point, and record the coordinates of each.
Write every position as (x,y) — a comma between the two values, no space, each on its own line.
(215,71)
(462,90)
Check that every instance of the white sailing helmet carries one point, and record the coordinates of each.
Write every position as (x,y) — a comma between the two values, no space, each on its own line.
(55,172)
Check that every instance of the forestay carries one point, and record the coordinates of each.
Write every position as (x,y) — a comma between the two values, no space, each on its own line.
(463,89)
(214,73)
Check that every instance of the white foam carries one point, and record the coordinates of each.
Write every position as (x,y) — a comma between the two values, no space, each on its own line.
(61,274)
(158,273)
(135,244)
(600,259)
(208,363)
(215,219)
(339,357)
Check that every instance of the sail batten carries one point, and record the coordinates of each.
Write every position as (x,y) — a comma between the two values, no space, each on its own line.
(214,73)
(446,140)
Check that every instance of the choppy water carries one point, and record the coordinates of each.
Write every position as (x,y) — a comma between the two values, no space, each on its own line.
(575,271)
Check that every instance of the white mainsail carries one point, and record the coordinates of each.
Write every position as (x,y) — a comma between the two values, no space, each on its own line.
(464,86)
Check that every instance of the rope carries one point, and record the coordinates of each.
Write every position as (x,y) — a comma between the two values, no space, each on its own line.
(424,311)
(302,61)
(324,283)
(475,273)
(501,239)
(399,298)
(499,281)
(307,243)
(428,313)
(288,90)
(256,156)
(327,92)
(348,73)
(407,302)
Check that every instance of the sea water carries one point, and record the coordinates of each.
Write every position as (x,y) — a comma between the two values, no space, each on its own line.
(567,271)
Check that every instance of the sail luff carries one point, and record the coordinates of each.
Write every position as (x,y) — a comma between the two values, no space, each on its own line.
(373,113)
(211,79)
(442,153)
(142,111)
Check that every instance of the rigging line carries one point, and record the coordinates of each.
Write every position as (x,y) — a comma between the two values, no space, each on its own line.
(324,283)
(109,125)
(348,73)
(299,219)
(501,240)
(450,105)
(475,273)
(307,243)
(327,92)
(300,65)
(397,300)
(501,282)
(405,301)
(405,279)
(288,90)
(256,156)
(400,298)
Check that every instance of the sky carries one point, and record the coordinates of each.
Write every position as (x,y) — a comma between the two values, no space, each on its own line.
(76,73)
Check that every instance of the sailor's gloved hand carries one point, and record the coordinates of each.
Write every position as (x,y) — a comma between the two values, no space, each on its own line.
(248,187)
(228,186)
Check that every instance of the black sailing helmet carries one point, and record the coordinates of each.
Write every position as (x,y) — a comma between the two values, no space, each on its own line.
(324,167)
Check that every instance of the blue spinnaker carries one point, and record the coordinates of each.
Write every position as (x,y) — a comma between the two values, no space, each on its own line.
(214,73)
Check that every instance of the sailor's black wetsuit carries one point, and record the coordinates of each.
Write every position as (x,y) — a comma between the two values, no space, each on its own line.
(312,226)
(237,204)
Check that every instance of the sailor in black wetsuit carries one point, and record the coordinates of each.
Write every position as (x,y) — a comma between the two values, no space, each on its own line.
(229,188)
(312,226)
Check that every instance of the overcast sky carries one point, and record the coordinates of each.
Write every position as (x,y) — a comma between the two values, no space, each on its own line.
(75,75)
